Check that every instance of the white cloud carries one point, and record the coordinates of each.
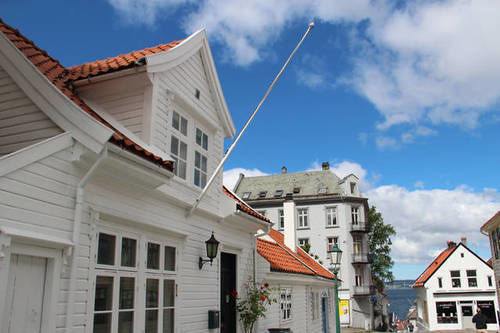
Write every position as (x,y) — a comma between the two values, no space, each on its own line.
(231,176)
(345,168)
(419,184)
(385,142)
(426,219)
(145,11)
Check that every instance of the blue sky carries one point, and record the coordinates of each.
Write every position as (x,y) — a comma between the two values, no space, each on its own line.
(404,95)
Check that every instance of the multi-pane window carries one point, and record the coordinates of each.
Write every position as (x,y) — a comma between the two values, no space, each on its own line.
(120,281)
(353,188)
(356,245)
(303,217)
(200,169)
(201,139)
(358,276)
(471,278)
(455,279)
(281,219)
(303,241)
(286,303)
(331,242)
(355,215)
(331,216)
(179,123)
(178,147)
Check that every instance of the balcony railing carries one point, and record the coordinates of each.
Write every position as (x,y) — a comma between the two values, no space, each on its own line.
(359,227)
(360,258)
(363,290)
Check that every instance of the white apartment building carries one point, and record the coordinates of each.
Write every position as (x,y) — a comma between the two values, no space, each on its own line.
(451,289)
(329,210)
(491,228)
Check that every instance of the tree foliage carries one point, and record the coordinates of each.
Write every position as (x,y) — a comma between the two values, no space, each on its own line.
(379,240)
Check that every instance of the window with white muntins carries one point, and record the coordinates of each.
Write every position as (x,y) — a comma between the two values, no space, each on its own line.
(455,279)
(355,215)
(178,145)
(331,216)
(200,158)
(303,214)
(126,270)
(286,303)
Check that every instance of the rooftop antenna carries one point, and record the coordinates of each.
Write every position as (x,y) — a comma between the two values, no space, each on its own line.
(230,150)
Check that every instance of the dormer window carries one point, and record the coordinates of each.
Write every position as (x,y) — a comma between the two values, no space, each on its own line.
(353,188)
(296,190)
(278,193)
(322,190)
(246,195)
(262,194)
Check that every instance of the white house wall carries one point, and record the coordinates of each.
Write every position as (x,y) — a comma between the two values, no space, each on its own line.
(22,123)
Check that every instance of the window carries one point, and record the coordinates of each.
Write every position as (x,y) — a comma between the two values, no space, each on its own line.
(446,312)
(278,193)
(471,277)
(331,216)
(303,217)
(353,188)
(331,242)
(262,194)
(488,309)
(356,245)
(246,195)
(494,242)
(355,215)
(179,123)
(262,212)
(303,241)
(455,279)
(440,282)
(490,281)
(201,139)
(200,169)
(315,305)
(119,283)
(178,150)
(322,190)
(197,93)
(286,303)
(296,190)
(281,219)
(358,276)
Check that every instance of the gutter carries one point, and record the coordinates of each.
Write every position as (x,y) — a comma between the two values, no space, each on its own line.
(137,68)
(80,194)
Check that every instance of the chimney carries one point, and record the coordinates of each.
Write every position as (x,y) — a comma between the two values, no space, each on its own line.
(451,244)
(325,166)
(289,217)
(463,240)
(283,169)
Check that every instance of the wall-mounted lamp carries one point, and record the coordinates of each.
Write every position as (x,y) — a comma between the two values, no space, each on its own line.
(212,246)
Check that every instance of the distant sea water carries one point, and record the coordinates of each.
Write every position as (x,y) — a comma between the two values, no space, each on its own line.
(401,300)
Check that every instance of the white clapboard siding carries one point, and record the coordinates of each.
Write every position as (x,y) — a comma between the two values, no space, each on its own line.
(22,123)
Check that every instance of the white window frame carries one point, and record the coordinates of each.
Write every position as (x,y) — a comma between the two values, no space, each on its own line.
(329,245)
(355,218)
(286,301)
(303,241)
(331,216)
(358,276)
(357,245)
(203,172)
(303,218)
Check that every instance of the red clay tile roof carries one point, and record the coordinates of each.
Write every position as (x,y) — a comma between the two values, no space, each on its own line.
(58,75)
(120,62)
(491,219)
(241,205)
(434,266)
(490,262)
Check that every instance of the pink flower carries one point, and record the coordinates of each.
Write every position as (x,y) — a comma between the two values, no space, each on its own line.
(234,293)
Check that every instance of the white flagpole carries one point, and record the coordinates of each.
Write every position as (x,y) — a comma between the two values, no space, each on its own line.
(230,150)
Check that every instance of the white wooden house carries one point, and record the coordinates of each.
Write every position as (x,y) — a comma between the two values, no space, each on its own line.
(451,289)
(94,230)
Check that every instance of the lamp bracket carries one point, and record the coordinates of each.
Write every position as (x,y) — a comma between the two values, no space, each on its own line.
(202,262)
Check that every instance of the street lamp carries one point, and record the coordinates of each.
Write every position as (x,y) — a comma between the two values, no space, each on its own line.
(335,255)
(212,245)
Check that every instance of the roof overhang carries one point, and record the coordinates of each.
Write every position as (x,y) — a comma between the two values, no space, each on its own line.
(197,42)
(493,222)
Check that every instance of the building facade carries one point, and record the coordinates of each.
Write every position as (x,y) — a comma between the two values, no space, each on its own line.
(491,228)
(451,289)
(328,210)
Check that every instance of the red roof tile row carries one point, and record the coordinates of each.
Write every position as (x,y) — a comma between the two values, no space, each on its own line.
(242,206)
(60,76)
(436,263)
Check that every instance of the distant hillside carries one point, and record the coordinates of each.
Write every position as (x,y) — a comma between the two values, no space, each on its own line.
(399,284)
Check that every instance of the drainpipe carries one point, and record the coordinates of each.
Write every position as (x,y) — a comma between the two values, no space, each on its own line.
(80,194)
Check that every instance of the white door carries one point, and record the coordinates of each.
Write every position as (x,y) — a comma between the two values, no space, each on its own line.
(25,294)
(467,316)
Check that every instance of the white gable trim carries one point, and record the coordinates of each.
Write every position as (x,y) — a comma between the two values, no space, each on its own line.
(33,153)
(163,61)
(57,106)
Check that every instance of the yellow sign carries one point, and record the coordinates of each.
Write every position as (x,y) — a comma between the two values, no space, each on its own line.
(344,311)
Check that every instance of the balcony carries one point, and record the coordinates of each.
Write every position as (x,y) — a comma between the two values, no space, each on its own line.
(360,258)
(363,290)
(359,227)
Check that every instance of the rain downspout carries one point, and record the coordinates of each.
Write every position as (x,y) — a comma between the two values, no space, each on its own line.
(80,194)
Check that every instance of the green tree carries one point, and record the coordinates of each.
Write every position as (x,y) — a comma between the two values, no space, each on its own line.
(379,240)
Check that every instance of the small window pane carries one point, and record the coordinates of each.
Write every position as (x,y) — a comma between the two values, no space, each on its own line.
(174,146)
(197,159)
(153,256)
(168,321)
(175,120)
(183,150)
(168,293)
(151,321)
(152,293)
(203,163)
(184,125)
(102,323)
(129,247)
(205,141)
(126,322)
(103,293)
(127,288)
(169,258)
(197,177)
(182,169)
(203,180)
(106,249)
(198,136)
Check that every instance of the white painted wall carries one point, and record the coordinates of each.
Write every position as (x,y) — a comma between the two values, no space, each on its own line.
(21,121)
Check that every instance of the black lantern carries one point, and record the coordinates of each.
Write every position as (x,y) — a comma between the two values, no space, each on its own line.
(212,247)
(335,255)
